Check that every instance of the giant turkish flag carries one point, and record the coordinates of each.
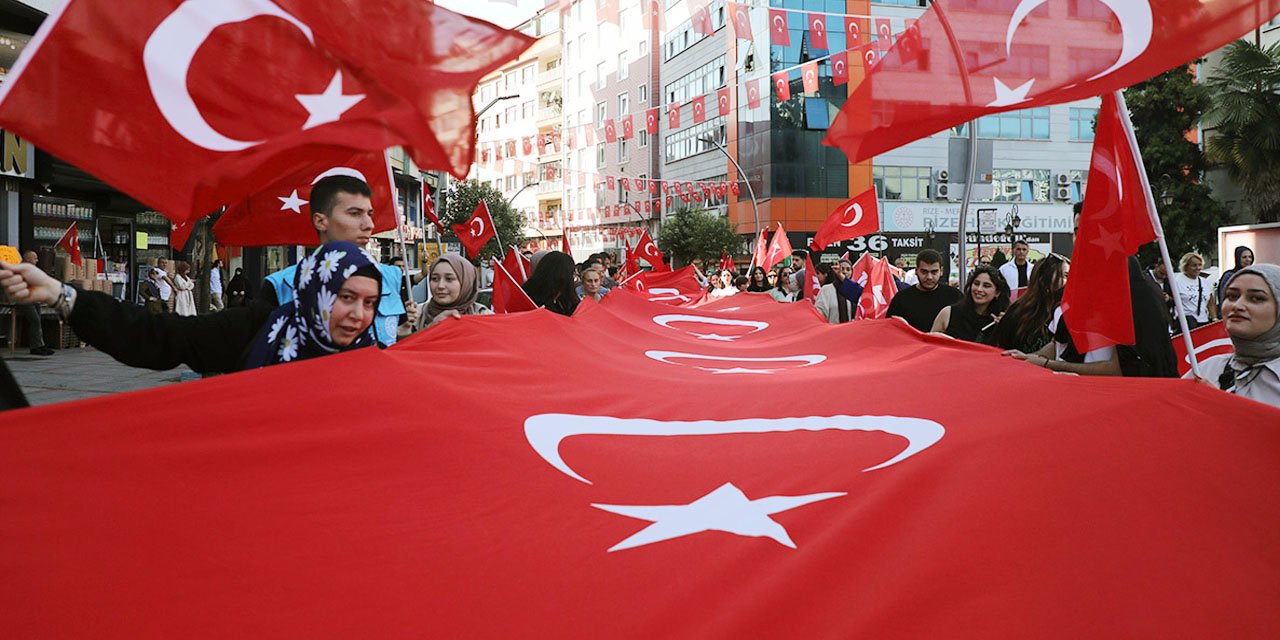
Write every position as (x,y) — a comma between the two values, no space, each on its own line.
(187,106)
(1026,54)
(762,475)
(280,214)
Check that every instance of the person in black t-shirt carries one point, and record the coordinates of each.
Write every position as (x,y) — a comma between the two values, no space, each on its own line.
(919,305)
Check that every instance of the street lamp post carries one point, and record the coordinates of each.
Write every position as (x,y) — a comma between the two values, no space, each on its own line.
(755,207)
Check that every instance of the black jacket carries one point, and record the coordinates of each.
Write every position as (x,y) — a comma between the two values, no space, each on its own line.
(211,343)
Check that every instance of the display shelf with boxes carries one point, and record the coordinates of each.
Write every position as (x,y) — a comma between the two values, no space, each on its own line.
(52,216)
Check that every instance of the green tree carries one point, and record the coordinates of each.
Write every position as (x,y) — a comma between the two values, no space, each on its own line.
(1164,108)
(697,234)
(460,202)
(1245,137)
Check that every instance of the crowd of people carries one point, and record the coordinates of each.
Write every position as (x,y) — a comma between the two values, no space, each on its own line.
(340,298)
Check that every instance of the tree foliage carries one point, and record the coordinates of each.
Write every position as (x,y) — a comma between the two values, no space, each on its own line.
(1246,124)
(460,202)
(1164,109)
(697,234)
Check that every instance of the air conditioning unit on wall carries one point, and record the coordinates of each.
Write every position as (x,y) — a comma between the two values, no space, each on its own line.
(941,191)
(1062,193)
(1063,180)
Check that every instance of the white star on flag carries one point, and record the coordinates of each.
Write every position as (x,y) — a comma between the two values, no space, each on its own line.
(1006,96)
(726,509)
(327,107)
(291,201)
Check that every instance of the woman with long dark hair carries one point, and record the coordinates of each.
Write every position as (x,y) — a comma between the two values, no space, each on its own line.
(551,285)
(759,281)
(986,298)
(1025,326)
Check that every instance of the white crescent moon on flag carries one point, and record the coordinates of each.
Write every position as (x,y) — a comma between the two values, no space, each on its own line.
(169,51)
(1136,27)
(341,171)
(870,57)
(839,67)
(479,231)
(819,25)
(857,215)
(779,23)
(546,431)
(806,360)
(666,320)
(650,249)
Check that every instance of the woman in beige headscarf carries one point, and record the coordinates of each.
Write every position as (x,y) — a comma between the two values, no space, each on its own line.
(454,284)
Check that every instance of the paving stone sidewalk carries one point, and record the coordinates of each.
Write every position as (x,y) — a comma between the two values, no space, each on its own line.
(84,372)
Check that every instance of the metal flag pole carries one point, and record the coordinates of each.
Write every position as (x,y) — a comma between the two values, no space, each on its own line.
(962,230)
(1159,229)
(496,237)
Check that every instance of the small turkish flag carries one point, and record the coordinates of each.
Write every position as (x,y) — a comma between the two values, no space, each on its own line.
(857,217)
(610,131)
(840,68)
(429,207)
(779,248)
(782,86)
(70,242)
(878,289)
(809,76)
(517,266)
(280,213)
(753,93)
(648,250)
(818,31)
(628,129)
(740,16)
(673,116)
(651,121)
(610,182)
(526,146)
(164,81)
(734,188)
(854,28)
(723,101)
(884,32)
(812,284)
(870,55)
(624,184)
(654,18)
(508,295)
(726,263)
(702,21)
(762,247)
(699,109)
(1208,341)
(779,35)
(476,231)
(564,244)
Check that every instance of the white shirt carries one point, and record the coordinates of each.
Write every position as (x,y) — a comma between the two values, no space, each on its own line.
(1194,294)
(1010,272)
(828,304)
(1264,387)
(723,292)
(165,289)
(215,281)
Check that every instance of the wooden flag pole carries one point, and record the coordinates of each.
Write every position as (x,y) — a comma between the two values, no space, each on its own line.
(1159,229)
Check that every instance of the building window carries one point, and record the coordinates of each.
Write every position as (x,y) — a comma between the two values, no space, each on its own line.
(600,74)
(1027,124)
(624,104)
(685,143)
(622,65)
(1082,124)
(644,138)
(901,183)
(623,153)
(682,36)
(602,112)
(1020,185)
(700,81)
(526,110)
(643,94)
(817,113)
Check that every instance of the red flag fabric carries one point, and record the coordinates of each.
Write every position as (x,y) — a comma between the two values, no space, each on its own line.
(508,296)
(163,83)
(779,249)
(812,283)
(673,116)
(607,10)
(70,242)
(840,68)
(723,101)
(884,30)
(856,218)
(854,28)
(702,20)
(632,263)
(753,93)
(1207,341)
(779,34)
(782,86)
(610,131)
(280,214)
(740,17)
(651,121)
(1114,223)
(818,31)
(648,249)
(877,291)
(726,262)
(700,109)
(809,76)
(180,232)
(903,100)
(517,266)
(679,287)
(564,243)
(476,231)
(654,18)
(861,513)
(429,207)
(762,248)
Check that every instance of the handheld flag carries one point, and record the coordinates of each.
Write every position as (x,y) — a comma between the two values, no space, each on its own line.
(476,231)
(857,217)
(779,249)
(70,242)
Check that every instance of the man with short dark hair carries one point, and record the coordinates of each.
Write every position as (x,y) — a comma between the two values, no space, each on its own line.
(31,317)
(342,209)
(1017,271)
(919,305)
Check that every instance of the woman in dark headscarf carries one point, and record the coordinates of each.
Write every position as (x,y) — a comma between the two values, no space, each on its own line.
(1244,258)
(454,284)
(551,284)
(237,289)
(1251,313)
(336,291)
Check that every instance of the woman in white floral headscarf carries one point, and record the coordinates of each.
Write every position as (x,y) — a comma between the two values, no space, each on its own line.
(335,294)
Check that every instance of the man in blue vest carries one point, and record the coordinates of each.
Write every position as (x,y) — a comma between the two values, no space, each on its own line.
(342,209)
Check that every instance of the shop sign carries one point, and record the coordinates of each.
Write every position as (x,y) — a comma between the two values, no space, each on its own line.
(942,217)
(19,156)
